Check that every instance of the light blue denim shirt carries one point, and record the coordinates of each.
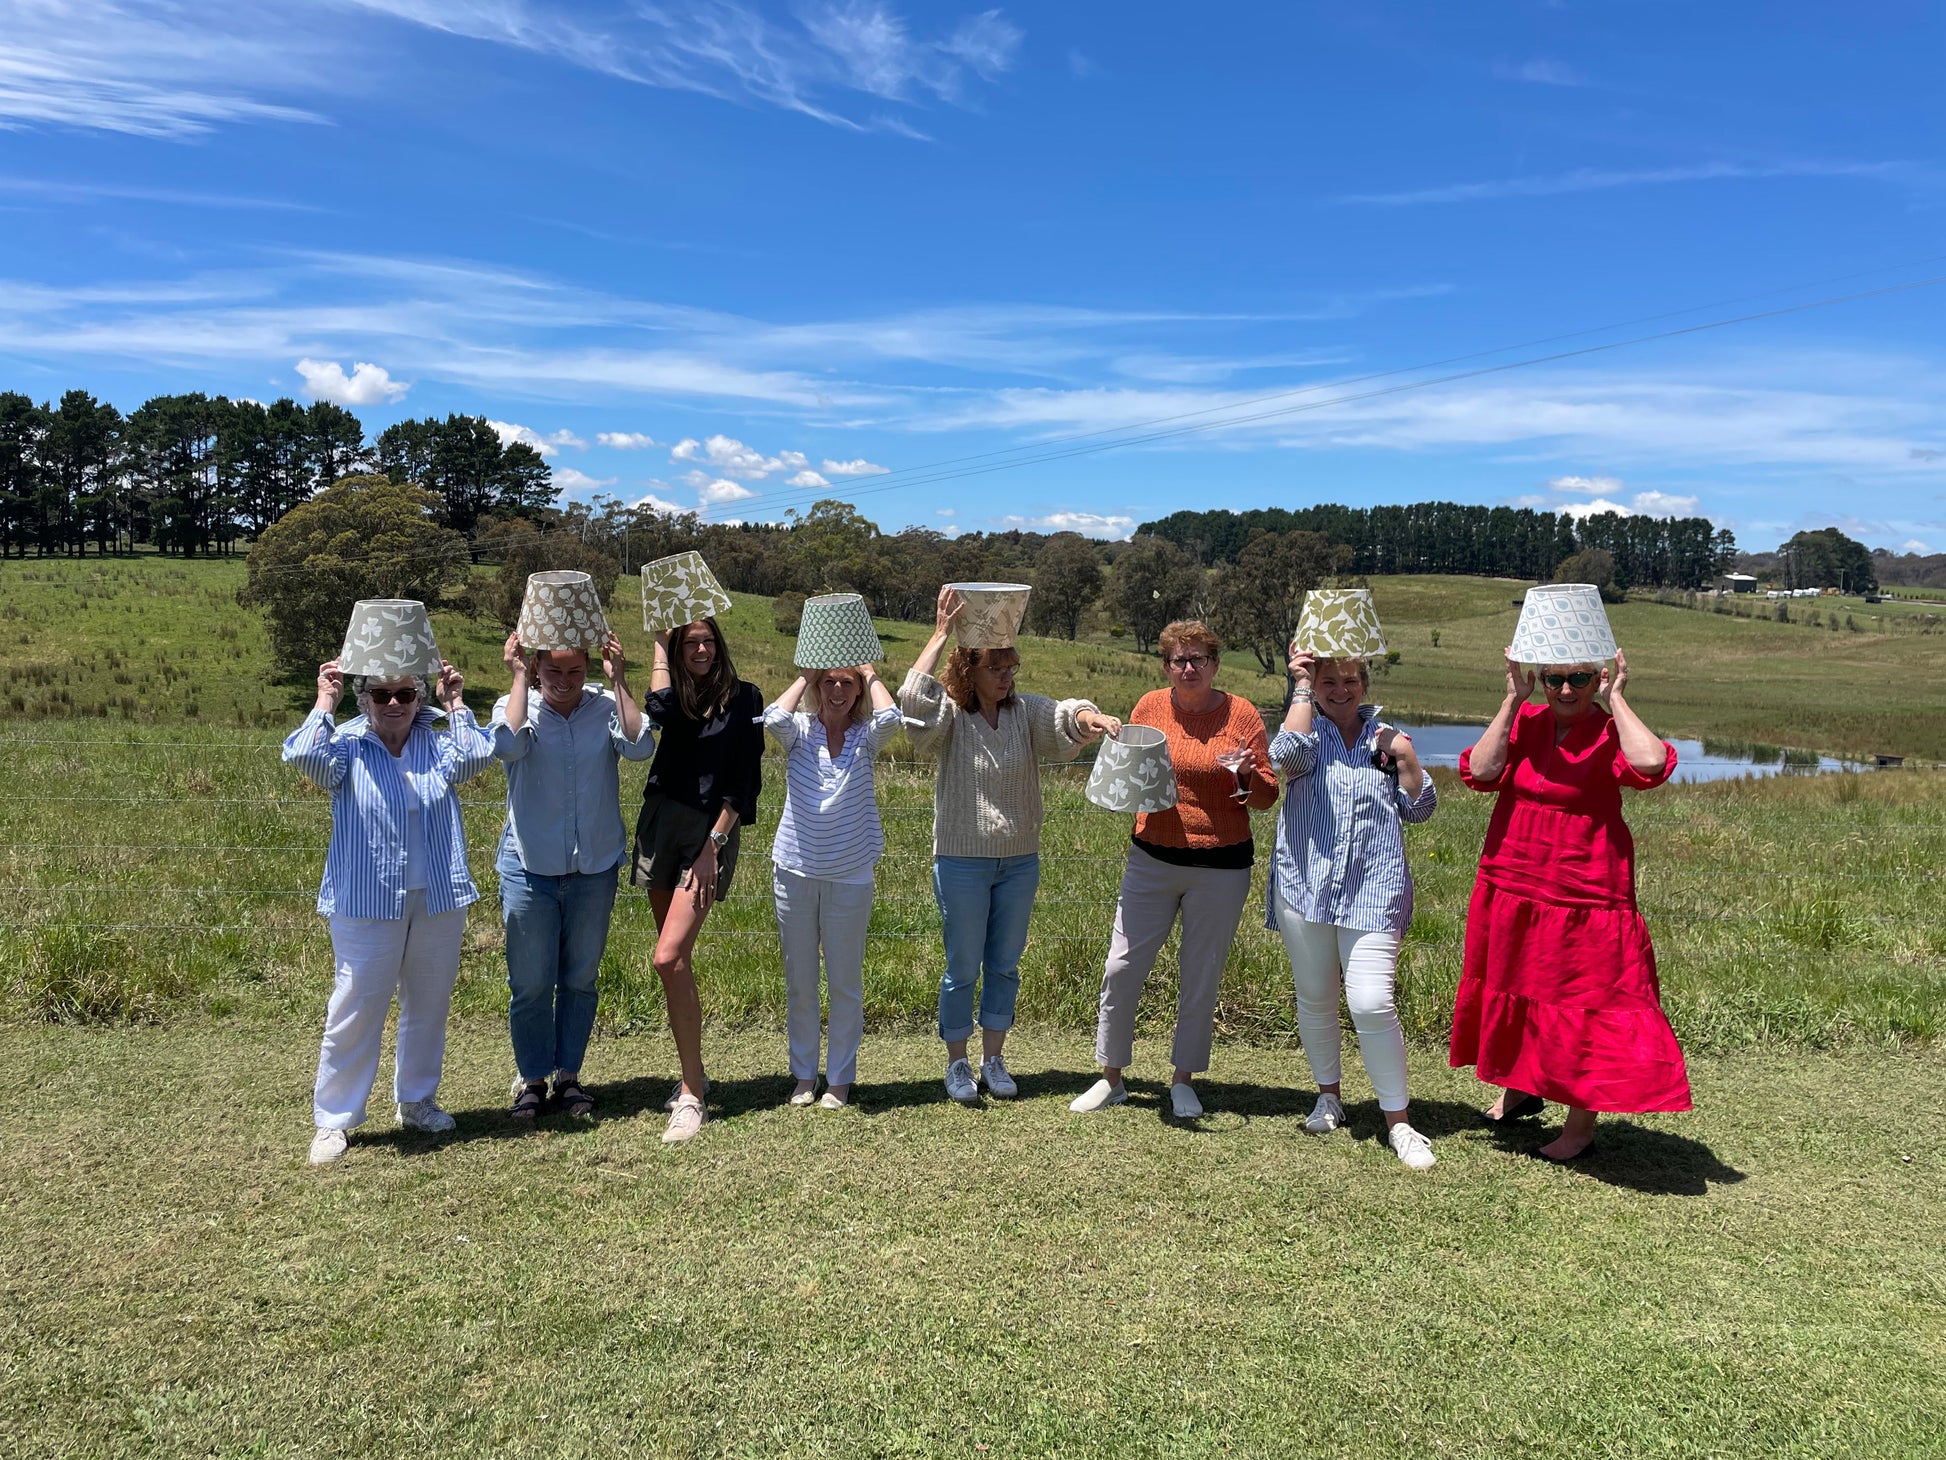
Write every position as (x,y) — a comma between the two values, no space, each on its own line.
(1340,854)
(364,869)
(564,786)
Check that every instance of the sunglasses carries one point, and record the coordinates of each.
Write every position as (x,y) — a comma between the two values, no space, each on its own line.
(405,694)
(1579,679)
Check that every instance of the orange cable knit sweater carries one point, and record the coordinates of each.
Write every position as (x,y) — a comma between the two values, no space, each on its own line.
(1205,813)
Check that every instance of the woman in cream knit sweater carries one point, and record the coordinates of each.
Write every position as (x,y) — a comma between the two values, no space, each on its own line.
(986,864)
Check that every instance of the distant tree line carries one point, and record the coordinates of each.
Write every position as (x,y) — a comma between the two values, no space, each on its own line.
(196,474)
(1909,570)
(1454,537)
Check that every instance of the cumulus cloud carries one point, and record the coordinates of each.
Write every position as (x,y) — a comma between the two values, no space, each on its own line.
(1088,524)
(570,480)
(624,440)
(1662,504)
(806,479)
(1913,545)
(795,460)
(660,504)
(367,385)
(1594,486)
(549,445)
(858,468)
(711,493)
(727,455)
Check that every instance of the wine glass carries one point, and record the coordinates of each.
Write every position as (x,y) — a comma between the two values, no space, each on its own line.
(1231,758)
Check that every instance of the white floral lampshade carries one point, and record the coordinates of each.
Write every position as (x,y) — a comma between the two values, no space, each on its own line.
(389,638)
(992,616)
(562,610)
(1133,773)
(1563,623)
(835,633)
(680,589)
(1340,623)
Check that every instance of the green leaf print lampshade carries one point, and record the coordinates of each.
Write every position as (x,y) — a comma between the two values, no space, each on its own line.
(1563,623)
(389,638)
(679,589)
(562,610)
(1133,773)
(835,633)
(1340,623)
(992,616)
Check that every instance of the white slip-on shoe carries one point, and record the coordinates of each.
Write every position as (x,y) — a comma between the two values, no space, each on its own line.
(829,1101)
(327,1146)
(670,1103)
(1182,1098)
(1411,1147)
(687,1118)
(1326,1116)
(993,1074)
(806,1093)
(960,1084)
(1099,1096)
(424,1115)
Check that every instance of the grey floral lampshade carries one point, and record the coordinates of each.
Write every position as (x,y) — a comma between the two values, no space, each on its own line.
(562,610)
(679,589)
(835,633)
(389,638)
(1340,623)
(1133,773)
(1563,623)
(992,616)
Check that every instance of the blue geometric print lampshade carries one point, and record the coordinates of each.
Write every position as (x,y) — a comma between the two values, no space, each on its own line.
(1563,623)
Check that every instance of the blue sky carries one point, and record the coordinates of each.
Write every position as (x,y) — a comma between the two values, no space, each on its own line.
(739,256)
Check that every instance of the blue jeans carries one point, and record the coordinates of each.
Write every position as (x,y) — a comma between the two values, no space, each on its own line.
(556,930)
(984,903)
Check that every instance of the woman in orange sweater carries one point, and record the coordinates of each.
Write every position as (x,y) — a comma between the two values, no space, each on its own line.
(1193,859)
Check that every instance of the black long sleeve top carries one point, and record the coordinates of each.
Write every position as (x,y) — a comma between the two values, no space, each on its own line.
(705,763)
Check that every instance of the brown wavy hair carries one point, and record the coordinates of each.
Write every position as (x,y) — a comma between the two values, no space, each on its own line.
(708,697)
(1189,633)
(958,677)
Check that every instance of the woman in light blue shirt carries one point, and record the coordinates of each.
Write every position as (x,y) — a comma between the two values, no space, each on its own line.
(1339,891)
(828,842)
(396,888)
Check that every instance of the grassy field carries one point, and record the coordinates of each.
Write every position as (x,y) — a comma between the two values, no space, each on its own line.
(1759,1278)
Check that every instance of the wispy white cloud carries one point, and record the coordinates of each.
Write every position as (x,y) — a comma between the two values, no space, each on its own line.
(367,385)
(624,440)
(727,455)
(1596,486)
(713,492)
(857,468)
(1590,179)
(1540,72)
(1088,524)
(549,445)
(806,479)
(571,481)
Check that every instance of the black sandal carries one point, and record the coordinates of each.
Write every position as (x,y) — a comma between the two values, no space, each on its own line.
(1522,1108)
(572,1099)
(529,1095)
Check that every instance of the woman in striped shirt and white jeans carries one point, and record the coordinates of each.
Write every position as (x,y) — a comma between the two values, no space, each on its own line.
(828,842)
(1340,894)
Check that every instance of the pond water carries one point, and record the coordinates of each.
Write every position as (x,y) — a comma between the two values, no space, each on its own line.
(1696,760)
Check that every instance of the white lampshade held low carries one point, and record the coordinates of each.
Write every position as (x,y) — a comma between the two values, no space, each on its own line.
(562,610)
(680,589)
(992,616)
(389,638)
(836,633)
(1133,773)
(1563,623)
(1340,623)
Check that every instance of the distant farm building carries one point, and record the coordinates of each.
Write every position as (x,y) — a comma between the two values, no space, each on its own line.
(1737,583)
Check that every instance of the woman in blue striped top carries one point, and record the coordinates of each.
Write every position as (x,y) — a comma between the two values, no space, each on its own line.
(396,888)
(828,842)
(1340,894)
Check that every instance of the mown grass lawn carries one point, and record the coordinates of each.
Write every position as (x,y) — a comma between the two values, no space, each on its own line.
(1757,1278)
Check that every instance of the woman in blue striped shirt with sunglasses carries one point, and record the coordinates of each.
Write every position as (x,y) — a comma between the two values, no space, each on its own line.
(1340,894)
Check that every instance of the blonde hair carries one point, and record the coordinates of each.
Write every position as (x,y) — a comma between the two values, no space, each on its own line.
(861,707)
(1364,668)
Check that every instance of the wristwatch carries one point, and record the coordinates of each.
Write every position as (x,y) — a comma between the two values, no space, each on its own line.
(720,838)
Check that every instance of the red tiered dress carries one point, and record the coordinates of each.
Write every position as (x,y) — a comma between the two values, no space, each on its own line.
(1558,994)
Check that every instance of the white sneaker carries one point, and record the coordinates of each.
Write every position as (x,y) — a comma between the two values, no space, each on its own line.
(1099,1095)
(960,1084)
(670,1103)
(687,1118)
(424,1115)
(1326,1116)
(1411,1147)
(1000,1085)
(1183,1097)
(327,1146)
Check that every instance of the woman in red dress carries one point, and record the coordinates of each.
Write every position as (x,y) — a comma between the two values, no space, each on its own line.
(1558,998)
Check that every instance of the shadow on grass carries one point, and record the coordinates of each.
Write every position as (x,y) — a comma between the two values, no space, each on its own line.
(1654,1162)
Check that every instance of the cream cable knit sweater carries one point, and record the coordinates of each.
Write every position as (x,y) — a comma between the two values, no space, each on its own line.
(987,799)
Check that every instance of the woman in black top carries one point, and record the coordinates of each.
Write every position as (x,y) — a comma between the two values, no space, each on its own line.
(702,789)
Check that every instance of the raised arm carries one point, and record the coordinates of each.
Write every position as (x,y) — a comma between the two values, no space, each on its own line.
(466,750)
(614,664)
(944,612)
(1486,762)
(1295,750)
(313,748)
(780,719)
(1647,755)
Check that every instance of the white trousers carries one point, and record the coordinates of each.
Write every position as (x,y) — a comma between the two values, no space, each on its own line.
(1325,957)
(814,912)
(417,957)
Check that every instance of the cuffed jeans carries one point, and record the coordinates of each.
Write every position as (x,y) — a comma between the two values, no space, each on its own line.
(416,956)
(557,928)
(1323,955)
(814,912)
(1211,901)
(984,904)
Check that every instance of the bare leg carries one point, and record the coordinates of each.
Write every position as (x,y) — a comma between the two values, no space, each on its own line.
(955,1050)
(1508,1096)
(992,1041)
(679,921)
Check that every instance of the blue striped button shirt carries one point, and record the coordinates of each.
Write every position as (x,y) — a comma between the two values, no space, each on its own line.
(564,787)
(1340,854)
(371,795)
(830,825)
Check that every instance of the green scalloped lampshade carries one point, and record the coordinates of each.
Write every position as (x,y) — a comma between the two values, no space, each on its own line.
(679,589)
(1340,623)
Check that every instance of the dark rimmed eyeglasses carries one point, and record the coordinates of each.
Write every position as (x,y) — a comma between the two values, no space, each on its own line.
(1579,679)
(405,694)
(1189,661)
